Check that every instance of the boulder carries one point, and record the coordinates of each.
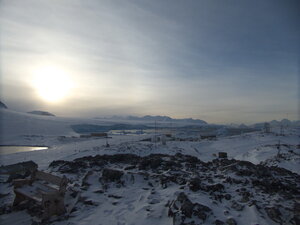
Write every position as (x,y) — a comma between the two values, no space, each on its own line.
(111,175)
(231,221)
(223,155)
(195,184)
(273,213)
(183,210)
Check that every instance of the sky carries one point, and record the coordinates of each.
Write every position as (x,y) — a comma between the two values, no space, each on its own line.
(220,61)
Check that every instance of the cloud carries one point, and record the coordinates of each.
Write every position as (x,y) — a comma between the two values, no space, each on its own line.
(196,58)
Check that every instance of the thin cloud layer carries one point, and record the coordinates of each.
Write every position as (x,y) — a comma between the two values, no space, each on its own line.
(222,62)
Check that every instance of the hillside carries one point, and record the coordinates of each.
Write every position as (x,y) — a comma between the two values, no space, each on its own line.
(135,179)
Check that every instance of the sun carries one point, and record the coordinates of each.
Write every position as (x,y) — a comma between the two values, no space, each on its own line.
(51,83)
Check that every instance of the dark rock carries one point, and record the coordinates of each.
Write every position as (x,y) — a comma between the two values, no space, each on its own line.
(164,180)
(57,163)
(115,196)
(297,213)
(183,208)
(35,223)
(191,159)
(245,196)
(5,209)
(129,167)
(3,195)
(171,165)
(243,173)
(112,175)
(85,179)
(99,191)
(74,194)
(223,155)
(237,206)
(201,211)
(72,166)
(182,197)
(274,186)
(150,162)
(219,222)
(216,187)
(90,202)
(227,196)
(231,221)
(195,184)
(274,213)
(180,180)
(270,185)
(122,158)
(187,208)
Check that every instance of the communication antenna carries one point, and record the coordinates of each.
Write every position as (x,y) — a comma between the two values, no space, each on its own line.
(155,134)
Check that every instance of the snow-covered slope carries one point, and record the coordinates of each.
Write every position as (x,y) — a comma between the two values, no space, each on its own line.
(17,125)
(180,181)
(24,128)
(14,124)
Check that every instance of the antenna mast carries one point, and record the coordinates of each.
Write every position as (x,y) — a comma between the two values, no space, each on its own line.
(155,134)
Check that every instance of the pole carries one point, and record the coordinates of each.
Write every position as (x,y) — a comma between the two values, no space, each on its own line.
(281,130)
(107,145)
(278,148)
(155,134)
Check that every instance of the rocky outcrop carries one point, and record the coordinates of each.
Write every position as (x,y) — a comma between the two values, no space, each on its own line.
(236,184)
(111,175)
(183,211)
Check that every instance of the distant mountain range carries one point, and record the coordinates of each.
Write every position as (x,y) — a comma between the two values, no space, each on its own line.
(167,119)
(275,123)
(160,119)
(41,113)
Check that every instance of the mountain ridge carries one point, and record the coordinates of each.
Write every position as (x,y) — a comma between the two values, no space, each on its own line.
(41,113)
(158,118)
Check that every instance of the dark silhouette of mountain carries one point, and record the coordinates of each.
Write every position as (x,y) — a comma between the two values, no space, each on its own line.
(275,123)
(149,118)
(2,105)
(41,113)
(90,128)
(242,126)
(166,119)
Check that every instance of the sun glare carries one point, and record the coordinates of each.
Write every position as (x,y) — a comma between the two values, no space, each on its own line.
(51,83)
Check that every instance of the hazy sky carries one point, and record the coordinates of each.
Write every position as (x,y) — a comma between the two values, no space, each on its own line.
(220,61)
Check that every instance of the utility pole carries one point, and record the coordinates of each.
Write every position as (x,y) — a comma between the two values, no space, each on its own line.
(107,145)
(155,134)
(281,130)
(278,148)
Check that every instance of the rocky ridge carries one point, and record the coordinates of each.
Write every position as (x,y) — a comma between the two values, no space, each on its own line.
(227,188)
